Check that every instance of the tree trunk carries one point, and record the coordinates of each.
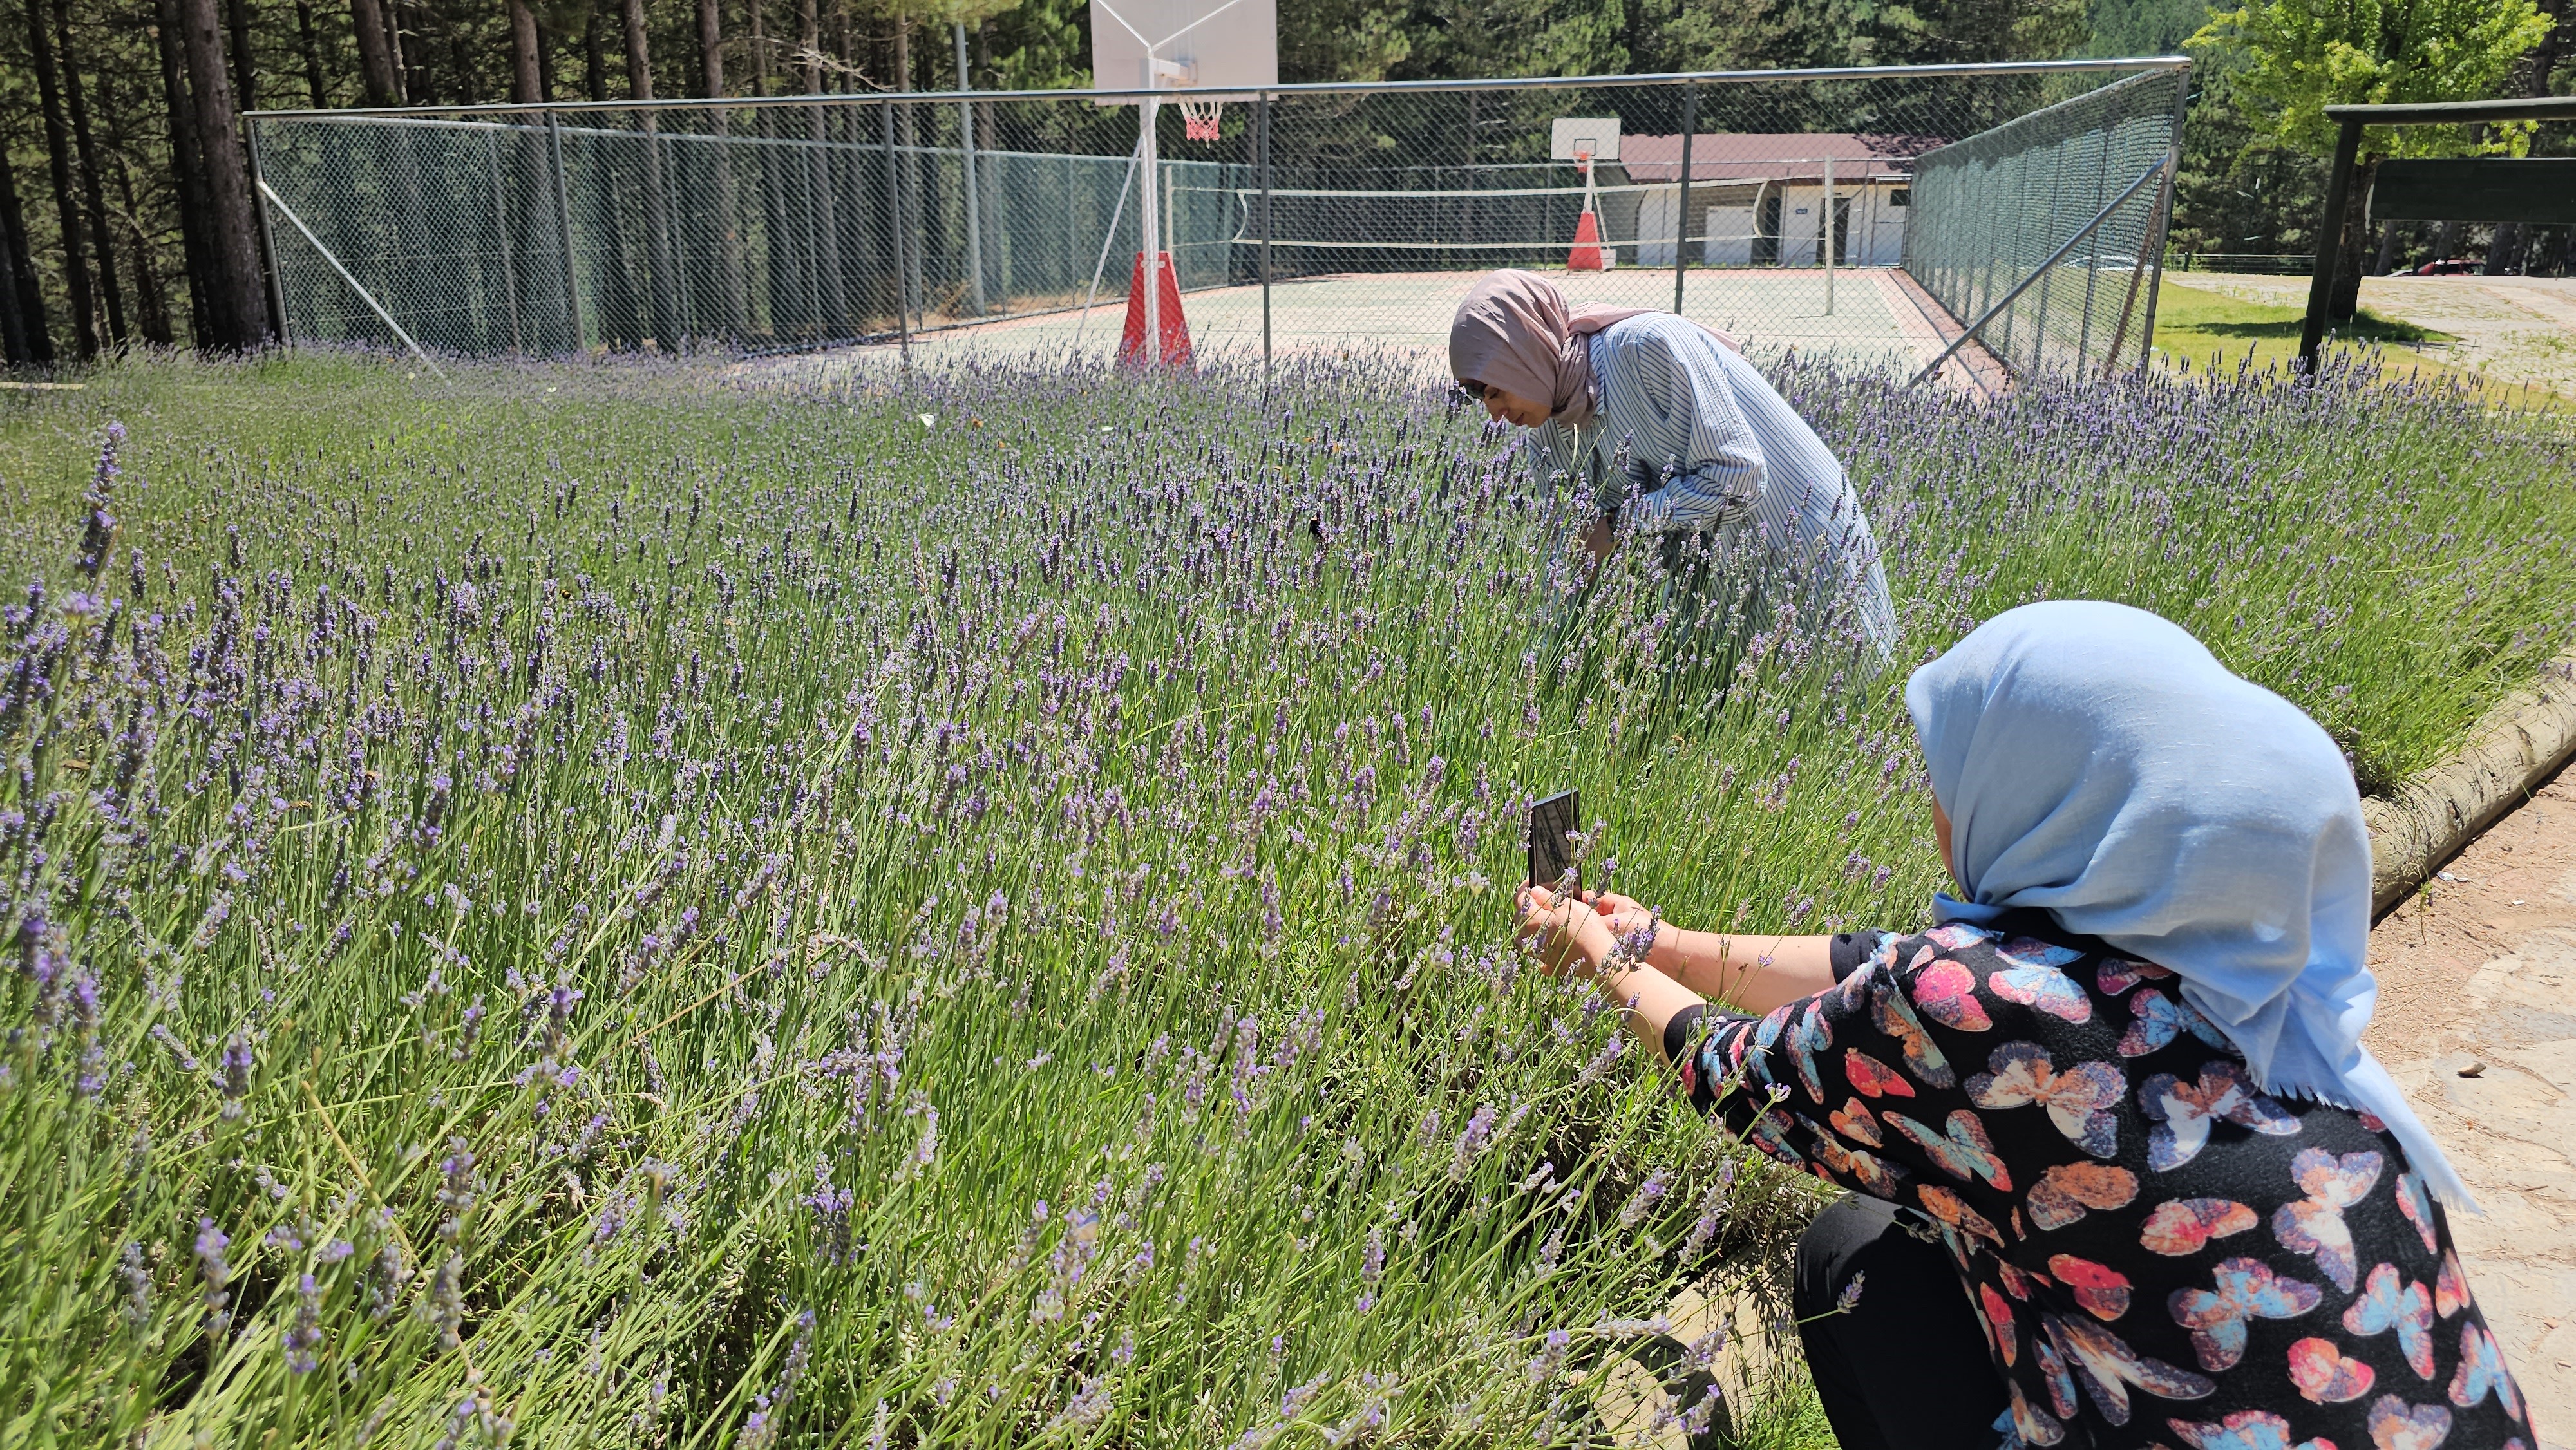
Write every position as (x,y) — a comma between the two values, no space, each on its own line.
(93,188)
(619,326)
(594,65)
(783,289)
(309,38)
(375,53)
(639,54)
(525,86)
(657,206)
(821,185)
(22,307)
(411,54)
(245,63)
(235,297)
(711,81)
(151,308)
(988,139)
(187,177)
(58,159)
(908,172)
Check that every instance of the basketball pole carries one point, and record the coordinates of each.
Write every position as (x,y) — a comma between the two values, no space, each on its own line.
(1149,211)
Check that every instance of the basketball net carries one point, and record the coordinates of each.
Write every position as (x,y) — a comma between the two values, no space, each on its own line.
(1200,119)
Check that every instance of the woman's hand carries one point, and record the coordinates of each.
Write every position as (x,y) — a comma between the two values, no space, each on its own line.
(1627,917)
(1571,933)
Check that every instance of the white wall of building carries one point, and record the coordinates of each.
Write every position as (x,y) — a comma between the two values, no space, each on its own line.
(1728,217)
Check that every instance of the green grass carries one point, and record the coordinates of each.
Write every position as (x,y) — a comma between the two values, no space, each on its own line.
(675,792)
(2204,330)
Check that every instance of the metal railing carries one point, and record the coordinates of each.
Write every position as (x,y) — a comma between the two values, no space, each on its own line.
(1843,213)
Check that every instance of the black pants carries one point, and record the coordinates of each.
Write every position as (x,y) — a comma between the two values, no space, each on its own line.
(1907,1368)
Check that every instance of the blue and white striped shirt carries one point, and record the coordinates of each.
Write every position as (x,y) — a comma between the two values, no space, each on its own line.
(1709,445)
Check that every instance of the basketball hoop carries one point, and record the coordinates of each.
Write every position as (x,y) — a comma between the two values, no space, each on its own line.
(1200,119)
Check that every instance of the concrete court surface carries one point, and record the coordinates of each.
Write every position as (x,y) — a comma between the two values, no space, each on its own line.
(1771,310)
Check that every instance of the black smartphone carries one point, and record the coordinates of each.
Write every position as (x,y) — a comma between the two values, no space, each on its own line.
(1552,824)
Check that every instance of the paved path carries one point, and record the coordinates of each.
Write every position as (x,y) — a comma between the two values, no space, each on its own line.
(2513,329)
(2478,977)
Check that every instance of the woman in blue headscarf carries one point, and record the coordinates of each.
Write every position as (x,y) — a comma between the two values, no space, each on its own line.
(2119,1080)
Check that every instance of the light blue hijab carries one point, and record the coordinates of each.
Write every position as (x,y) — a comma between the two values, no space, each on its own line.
(2098,762)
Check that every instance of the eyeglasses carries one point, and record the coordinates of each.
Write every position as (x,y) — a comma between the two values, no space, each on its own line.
(1471,392)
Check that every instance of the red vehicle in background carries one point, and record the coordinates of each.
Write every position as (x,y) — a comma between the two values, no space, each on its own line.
(2446,267)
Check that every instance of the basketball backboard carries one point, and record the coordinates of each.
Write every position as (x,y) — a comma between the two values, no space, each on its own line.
(1217,48)
(1571,138)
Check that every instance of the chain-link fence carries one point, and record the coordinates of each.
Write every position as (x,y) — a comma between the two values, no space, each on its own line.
(1875,216)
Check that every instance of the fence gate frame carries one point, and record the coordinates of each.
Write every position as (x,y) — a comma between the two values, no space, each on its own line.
(2433,180)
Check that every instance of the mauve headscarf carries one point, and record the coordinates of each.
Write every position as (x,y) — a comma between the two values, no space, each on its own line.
(2097,762)
(1516,332)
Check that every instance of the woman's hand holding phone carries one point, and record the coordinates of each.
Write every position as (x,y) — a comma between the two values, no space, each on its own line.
(1571,930)
(1627,917)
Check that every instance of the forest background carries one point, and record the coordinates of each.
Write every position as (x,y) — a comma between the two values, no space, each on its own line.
(126,220)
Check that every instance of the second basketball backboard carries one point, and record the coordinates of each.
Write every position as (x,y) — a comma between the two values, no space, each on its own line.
(1574,138)
(1220,49)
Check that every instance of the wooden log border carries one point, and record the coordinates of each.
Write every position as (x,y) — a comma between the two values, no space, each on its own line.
(2512,751)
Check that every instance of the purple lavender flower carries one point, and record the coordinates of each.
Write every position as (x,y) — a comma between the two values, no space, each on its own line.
(300,1341)
(233,1071)
(210,1246)
(1372,1269)
(1849,1299)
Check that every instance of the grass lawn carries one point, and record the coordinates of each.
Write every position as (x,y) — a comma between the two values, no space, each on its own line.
(2203,330)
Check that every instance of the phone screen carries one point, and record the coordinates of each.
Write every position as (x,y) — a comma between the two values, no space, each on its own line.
(1552,824)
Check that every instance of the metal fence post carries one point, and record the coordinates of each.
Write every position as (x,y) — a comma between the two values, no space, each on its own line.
(1681,203)
(268,245)
(1827,241)
(2092,272)
(1261,149)
(563,234)
(2152,247)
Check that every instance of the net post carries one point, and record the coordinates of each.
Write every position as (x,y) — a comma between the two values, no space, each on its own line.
(1828,238)
(1261,159)
(1681,206)
(563,233)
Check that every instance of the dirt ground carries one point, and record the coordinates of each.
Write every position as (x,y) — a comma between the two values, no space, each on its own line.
(2513,329)
(2477,1020)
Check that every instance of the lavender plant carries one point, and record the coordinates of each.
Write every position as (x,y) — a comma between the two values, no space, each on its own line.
(615,908)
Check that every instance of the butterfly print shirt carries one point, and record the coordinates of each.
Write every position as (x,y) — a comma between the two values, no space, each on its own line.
(2161,1253)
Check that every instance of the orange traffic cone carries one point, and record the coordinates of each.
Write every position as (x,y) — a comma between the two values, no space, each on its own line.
(1175,348)
(1586,256)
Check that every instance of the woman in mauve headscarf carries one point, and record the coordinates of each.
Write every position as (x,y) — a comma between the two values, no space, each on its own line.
(2123,1173)
(1665,431)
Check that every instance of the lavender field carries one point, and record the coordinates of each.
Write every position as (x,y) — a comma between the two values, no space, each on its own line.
(585,907)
